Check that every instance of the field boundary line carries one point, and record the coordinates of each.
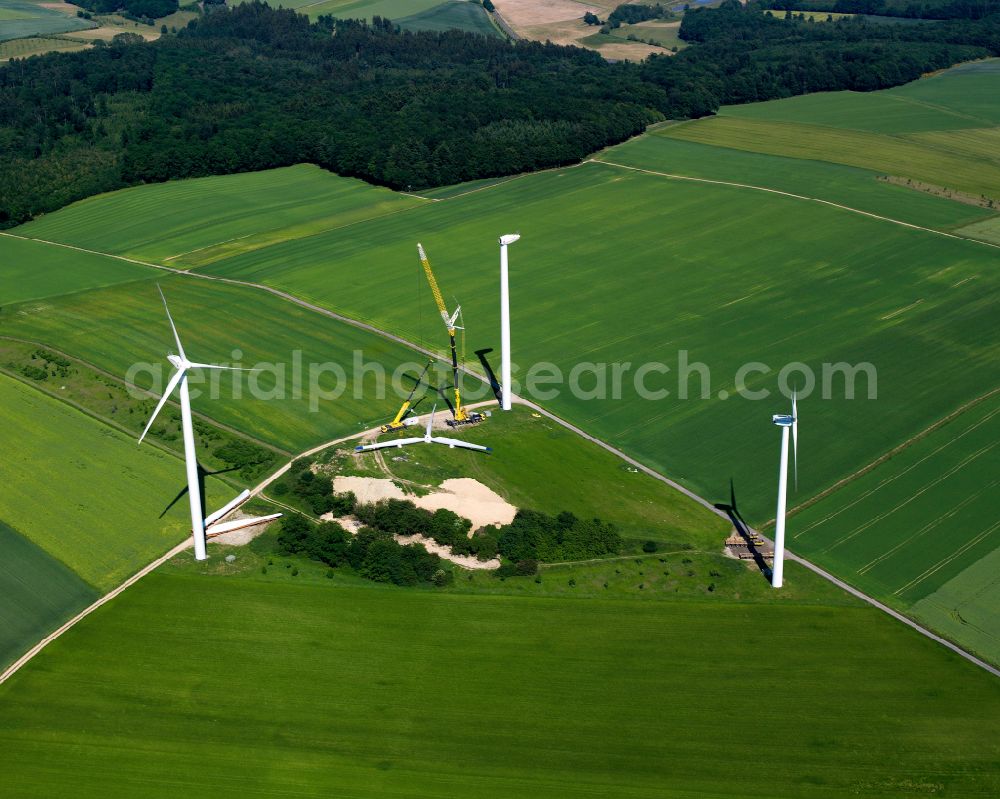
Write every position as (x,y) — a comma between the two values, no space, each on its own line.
(792,195)
(568,425)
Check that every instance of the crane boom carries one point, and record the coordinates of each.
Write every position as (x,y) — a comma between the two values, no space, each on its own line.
(461,415)
(426,264)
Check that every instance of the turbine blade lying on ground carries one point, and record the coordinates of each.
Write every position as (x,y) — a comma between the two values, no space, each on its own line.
(454,442)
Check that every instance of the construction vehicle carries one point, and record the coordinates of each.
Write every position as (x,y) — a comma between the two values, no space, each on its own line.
(399,422)
(460,416)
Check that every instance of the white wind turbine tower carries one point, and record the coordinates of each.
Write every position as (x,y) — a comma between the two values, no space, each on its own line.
(179,378)
(505,241)
(786,422)
(427,438)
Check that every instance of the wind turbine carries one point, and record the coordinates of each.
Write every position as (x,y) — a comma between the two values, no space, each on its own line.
(179,379)
(505,241)
(427,438)
(786,422)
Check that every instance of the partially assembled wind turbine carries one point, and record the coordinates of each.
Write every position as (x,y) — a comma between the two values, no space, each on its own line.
(505,395)
(786,422)
(179,380)
(427,438)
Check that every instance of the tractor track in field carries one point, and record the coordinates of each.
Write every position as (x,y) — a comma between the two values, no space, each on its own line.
(528,403)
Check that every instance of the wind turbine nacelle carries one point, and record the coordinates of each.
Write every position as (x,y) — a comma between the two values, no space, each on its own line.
(176,361)
(510,238)
(783,420)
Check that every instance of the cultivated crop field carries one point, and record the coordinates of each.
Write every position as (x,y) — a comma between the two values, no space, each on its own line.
(86,494)
(417,694)
(940,130)
(902,536)
(215,320)
(38,592)
(702,273)
(33,271)
(21,18)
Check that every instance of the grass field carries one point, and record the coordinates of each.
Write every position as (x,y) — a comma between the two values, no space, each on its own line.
(385,692)
(941,130)
(171,224)
(961,97)
(33,271)
(837,183)
(900,532)
(433,15)
(39,593)
(701,259)
(117,328)
(21,19)
(24,48)
(891,155)
(538,464)
(465,15)
(86,494)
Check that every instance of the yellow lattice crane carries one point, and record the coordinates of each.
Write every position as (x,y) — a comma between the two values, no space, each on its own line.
(461,415)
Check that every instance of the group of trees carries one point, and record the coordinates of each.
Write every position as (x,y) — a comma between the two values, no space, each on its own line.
(253,87)
(536,536)
(249,459)
(402,517)
(136,9)
(909,9)
(314,490)
(371,553)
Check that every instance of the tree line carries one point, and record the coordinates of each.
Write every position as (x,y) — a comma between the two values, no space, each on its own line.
(252,87)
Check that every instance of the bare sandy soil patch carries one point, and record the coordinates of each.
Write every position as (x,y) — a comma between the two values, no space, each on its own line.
(463,495)
(245,535)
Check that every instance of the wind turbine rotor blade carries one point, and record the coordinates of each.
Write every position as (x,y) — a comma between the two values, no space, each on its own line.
(177,338)
(166,395)
(194,365)
(430,423)
(454,442)
(397,442)
(795,439)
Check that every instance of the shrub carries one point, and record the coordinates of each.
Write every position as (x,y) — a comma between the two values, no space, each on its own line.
(650,547)
(526,568)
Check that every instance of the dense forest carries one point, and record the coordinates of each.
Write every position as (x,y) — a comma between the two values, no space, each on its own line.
(253,87)
(907,9)
(135,9)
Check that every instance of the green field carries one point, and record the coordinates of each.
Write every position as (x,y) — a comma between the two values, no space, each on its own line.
(835,183)
(86,494)
(961,97)
(171,224)
(701,259)
(23,48)
(39,593)
(317,691)
(433,15)
(538,464)
(33,271)
(919,522)
(21,19)
(117,328)
(465,15)
(940,130)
